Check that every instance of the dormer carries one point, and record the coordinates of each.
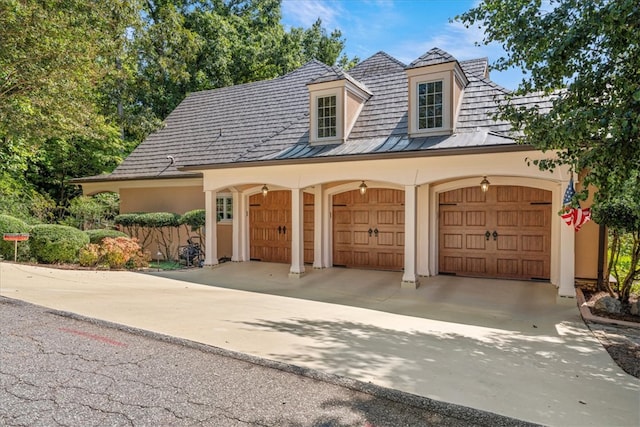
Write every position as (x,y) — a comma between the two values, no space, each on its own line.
(436,83)
(335,102)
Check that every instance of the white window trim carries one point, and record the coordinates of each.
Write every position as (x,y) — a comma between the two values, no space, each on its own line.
(447,102)
(227,199)
(340,109)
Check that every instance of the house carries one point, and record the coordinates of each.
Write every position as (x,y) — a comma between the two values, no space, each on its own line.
(379,167)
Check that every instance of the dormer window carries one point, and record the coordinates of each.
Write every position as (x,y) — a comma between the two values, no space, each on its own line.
(335,101)
(430,105)
(327,117)
(436,84)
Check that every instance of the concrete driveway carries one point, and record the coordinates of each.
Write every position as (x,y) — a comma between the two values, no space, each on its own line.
(502,346)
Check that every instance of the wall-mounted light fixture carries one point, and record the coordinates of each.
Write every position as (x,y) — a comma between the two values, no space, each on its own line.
(265,190)
(363,188)
(484,184)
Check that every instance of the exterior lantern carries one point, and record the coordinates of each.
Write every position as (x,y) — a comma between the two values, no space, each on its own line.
(265,190)
(484,184)
(363,188)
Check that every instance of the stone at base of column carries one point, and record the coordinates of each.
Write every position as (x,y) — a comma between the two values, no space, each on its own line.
(410,284)
(296,275)
(211,265)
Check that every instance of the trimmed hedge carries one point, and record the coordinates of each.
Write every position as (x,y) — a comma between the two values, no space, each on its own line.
(9,224)
(194,219)
(96,236)
(52,243)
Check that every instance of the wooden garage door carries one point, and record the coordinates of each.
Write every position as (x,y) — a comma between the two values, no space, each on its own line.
(505,232)
(270,227)
(368,230)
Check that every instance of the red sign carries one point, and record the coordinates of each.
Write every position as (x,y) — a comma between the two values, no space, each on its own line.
(16,237)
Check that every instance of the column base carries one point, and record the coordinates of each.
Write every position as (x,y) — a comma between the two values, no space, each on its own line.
(296,275)
(409,284)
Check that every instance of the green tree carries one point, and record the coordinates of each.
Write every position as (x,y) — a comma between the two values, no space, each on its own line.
(584,55)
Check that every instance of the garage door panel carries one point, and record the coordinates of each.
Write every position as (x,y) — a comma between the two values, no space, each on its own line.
(476,219)
(381,211)
(476,242)
(520,217)
(361,237)
(474,195)
(507,242)
(452,241)
(270,213)
(476,265)
(360,217)
(508,267)
(533,218)
(507,218)
(385,217)
(533,243)
(386,239)
(452,218)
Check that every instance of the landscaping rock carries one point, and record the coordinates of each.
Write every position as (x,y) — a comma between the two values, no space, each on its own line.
(635,308)
(608,304)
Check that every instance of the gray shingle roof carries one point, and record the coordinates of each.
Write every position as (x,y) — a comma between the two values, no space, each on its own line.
(432,57)
(269,120)
(337,73)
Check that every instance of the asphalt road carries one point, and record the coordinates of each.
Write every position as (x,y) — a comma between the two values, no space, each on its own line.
(57,369)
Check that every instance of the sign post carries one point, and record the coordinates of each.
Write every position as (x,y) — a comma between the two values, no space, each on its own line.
(15,238)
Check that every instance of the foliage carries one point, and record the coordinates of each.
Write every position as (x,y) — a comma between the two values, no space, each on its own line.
(96,211)
(591,50)
(50,243)
(195,219)
(96,236)
(117,252)
(583,55)
(621,214)
(9,224)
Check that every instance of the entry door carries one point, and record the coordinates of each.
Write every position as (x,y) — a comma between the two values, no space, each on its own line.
(368,230)
(505,232)
(270,227)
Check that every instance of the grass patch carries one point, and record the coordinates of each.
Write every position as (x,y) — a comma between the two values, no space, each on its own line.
(166,265)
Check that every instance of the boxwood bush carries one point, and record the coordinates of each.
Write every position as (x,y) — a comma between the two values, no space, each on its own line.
(96,236)
(50,243)
(9,224)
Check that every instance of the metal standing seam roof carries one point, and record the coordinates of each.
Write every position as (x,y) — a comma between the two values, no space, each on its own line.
(269,120)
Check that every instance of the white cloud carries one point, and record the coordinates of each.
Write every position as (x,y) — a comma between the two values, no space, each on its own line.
(305,13)
(455,39)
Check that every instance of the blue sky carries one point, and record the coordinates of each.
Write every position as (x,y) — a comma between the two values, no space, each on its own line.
(405,29)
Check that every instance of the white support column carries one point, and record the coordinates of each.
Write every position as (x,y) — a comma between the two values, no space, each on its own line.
(423,239)
(327,230)
(567,255)
(237,241)
(211,226)
(297,233)
(410,278)
(318,242)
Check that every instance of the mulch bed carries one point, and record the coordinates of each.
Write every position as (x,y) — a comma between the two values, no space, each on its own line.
(621,342)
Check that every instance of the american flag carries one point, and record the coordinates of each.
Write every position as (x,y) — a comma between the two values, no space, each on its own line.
(570,215)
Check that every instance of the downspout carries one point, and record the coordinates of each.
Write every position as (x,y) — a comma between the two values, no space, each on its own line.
(602,235)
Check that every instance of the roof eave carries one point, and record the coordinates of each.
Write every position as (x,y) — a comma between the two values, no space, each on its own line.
(456,151)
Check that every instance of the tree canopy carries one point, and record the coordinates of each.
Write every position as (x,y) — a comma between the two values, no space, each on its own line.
(82,82)
(586,55)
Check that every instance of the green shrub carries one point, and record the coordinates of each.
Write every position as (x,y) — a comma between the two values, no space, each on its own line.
(9,224)
(194,219)
(52,243)
(96,236)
